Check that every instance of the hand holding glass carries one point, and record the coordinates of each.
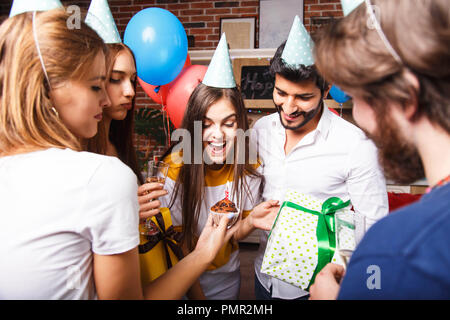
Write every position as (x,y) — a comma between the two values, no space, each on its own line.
(156,173)
(350,229)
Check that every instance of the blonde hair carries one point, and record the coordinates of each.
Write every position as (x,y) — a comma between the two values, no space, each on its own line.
(352,55)
(27,120)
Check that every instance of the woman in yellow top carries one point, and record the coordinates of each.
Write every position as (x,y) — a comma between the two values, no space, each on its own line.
(199,173)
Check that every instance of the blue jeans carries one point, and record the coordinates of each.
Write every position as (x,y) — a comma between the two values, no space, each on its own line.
(262,294)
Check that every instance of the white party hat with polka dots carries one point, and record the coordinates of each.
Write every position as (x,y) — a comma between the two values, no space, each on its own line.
(349,5)
(220,70)
(21,6)
(100,19)
(299,46)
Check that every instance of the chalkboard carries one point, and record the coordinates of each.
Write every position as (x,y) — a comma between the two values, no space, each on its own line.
(256,82)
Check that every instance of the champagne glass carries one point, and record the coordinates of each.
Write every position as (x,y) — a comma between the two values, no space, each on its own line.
(350,229)
(156,172)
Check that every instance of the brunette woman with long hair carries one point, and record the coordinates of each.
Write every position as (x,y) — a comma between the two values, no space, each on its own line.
(115,134)
(199,175)
(69,219)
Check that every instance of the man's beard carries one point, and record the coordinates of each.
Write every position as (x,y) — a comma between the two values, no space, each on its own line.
(307,116)
(399,159)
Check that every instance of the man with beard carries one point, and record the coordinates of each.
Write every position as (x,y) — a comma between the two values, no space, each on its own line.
(400,83)
(307,148)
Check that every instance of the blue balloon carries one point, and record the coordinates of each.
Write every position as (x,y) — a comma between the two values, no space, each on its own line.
(339,95)
(159,43)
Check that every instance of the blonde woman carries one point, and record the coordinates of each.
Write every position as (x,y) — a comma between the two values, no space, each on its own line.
(68,219)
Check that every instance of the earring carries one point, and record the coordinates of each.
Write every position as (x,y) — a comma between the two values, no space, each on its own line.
(55,112)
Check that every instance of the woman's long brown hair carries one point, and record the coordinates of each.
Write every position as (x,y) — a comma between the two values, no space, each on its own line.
(121,131)
(190,184)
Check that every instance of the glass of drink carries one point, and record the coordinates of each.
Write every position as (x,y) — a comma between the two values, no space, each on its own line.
(350,229)
(156,172)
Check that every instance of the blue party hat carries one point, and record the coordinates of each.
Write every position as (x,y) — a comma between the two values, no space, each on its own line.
(220,70)
(100,19)
(21,6)
(349,5)
(299,46)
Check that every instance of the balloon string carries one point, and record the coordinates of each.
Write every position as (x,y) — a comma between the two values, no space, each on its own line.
(168,130)
(164,114)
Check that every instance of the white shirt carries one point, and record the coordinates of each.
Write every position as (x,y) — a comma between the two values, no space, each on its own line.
(334,160)
(57,208)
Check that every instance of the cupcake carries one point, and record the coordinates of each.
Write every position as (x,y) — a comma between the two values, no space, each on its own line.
(225,207)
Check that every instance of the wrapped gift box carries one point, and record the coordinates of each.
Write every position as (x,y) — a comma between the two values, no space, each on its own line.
(160,251)
(303,239)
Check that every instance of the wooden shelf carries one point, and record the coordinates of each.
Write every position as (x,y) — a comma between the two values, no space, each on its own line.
(206,55)
(259,104)
(417,187)
(333,104)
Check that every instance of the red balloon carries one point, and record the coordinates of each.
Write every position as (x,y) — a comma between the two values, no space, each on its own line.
(334,111)
(181,89)
(160,97)
(186,63)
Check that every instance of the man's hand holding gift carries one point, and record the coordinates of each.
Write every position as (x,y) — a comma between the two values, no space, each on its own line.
(264,214)
(261,217)
(327,283)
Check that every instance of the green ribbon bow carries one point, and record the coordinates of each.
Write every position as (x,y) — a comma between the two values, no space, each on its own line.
(325,231)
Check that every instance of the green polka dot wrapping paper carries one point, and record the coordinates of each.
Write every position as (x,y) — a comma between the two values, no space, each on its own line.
(303,239)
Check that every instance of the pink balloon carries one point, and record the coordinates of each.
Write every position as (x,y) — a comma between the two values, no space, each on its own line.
(181,89)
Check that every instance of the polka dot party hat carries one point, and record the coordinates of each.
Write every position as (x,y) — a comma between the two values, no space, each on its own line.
(220,70)
(350,5)
(299,46)
(21,6)
(100,19)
